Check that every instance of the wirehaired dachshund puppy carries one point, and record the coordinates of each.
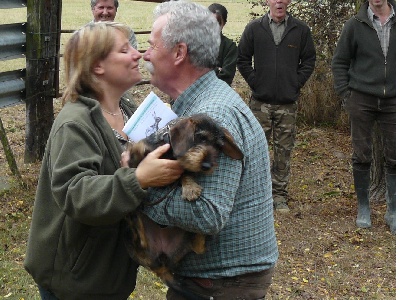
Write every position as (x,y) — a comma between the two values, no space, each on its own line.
(196,142)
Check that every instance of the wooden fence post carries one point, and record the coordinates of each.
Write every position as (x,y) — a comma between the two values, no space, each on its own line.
(42,64)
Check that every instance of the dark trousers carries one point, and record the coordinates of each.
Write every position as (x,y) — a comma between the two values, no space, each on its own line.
(252,286)
(364,111)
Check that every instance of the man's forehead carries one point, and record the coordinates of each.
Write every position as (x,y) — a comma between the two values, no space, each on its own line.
(160,21)
(109,3)
(158,25)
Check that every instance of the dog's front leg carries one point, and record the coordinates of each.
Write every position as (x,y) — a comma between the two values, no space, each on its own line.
(191,190)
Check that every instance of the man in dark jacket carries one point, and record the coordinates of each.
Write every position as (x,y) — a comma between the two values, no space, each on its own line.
(227,56)
(364,69)
(284,59)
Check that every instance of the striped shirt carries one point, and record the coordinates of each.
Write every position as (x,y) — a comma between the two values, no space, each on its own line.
(235,208)
(383,30)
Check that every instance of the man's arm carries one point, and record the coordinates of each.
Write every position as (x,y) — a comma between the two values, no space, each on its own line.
(341,61)
(245,56)
(209,213)
(307,59)
(228,68)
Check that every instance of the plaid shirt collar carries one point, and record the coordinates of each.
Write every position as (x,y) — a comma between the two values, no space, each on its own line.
(373,18)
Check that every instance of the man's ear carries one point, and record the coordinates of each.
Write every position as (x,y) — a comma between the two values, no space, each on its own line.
(98,68)
(181,52)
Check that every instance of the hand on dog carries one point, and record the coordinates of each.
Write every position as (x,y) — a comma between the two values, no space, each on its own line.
(153,171)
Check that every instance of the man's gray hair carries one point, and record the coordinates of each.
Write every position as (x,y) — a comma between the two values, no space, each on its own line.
(94,2)
(194,25)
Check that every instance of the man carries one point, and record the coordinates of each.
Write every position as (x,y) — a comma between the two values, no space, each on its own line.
(106,10)
(227,56)
(235,208)
(284,59)
(364,70)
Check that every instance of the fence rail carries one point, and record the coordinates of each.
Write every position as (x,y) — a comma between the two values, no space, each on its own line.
(13,40)
(13,46)
(12,3)
(12,87)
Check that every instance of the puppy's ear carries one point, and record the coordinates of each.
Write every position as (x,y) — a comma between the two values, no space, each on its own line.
(230,148)
(182,136)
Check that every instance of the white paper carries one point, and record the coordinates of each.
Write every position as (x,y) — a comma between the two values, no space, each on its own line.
(151,115)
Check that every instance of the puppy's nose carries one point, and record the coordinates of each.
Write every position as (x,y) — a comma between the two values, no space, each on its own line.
(205,166)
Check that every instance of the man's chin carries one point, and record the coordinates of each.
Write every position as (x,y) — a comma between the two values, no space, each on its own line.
(105,20)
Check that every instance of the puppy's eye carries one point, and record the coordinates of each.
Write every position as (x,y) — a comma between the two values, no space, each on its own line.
(200,137)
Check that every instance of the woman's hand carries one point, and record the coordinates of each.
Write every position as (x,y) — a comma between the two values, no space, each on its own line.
(153,171)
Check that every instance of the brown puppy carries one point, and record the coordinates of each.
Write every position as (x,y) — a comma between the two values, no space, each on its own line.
(196,142)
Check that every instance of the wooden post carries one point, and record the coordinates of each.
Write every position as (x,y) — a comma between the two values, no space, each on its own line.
(43,45)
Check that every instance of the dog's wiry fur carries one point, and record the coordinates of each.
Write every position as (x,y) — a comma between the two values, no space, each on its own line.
(196,142)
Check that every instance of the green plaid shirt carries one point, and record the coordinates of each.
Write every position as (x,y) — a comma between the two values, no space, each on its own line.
(235,208)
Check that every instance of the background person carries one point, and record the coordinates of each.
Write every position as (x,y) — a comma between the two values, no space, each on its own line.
(106,10)
(364,70)
(284,59)
(227,56)
(235,208)
(76,248)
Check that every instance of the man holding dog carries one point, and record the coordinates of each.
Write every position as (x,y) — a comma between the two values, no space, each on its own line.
(364,70)
(235,209)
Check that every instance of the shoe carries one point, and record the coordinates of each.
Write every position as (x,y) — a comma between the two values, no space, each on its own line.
(282,207)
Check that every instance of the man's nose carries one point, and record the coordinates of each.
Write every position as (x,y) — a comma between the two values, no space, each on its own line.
(146,55)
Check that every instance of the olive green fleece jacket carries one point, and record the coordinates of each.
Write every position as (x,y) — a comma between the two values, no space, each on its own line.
(75,245)
(358,62)
(226,62)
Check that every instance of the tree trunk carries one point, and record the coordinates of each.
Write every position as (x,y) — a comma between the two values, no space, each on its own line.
(378,181)
(42,70)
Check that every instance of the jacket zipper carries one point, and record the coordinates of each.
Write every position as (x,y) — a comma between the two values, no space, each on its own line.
(384,84)
(385,61)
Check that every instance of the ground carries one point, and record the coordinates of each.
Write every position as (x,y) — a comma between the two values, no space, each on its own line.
(322,254)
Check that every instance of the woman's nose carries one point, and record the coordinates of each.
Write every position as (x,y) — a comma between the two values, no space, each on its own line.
(136,54)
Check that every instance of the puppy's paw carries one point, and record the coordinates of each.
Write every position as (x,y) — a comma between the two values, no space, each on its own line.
(191,192)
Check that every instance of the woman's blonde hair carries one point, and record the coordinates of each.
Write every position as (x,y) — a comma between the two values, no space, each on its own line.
(85,48)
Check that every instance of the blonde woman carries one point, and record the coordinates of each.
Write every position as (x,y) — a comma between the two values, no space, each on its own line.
(75,247)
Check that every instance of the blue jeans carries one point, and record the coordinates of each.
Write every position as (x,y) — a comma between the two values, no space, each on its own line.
(364,111)
(46,294)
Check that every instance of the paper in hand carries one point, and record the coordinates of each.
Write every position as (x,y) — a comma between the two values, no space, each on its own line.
(151,115)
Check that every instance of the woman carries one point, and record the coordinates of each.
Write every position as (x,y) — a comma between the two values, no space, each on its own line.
(226,63)
(75,247)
